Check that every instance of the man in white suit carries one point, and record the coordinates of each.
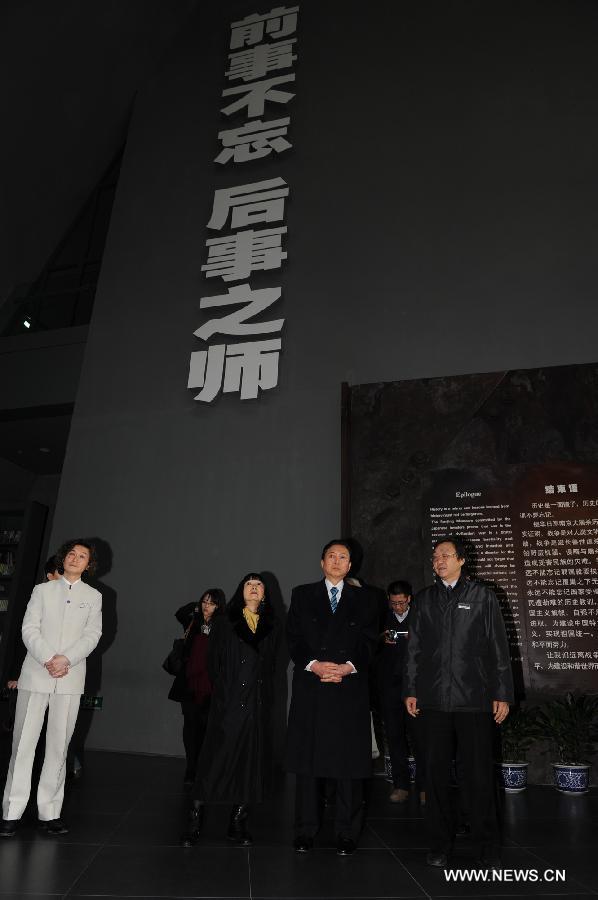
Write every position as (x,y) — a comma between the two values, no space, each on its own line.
(61,626)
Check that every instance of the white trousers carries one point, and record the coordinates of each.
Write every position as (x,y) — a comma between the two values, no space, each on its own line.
(29,719)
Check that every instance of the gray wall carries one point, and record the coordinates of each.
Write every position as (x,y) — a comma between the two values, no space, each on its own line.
(442,221)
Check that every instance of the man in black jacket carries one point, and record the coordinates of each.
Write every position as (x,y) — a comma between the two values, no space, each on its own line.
(332,632)
(458,679)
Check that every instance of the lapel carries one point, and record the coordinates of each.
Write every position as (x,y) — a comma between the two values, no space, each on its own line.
(346,607)
(322,602)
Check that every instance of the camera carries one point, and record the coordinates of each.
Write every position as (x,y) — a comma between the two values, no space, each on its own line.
(393,634)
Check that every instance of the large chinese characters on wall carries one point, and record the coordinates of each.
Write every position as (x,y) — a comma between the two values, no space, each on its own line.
(508,461)
(241,354)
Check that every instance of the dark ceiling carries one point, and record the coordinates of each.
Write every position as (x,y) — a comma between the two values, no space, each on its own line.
(35,439)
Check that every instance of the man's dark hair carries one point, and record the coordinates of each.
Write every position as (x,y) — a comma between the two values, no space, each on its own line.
(458,543)
(50,566)
(399,587)
(68,546)
(341,541)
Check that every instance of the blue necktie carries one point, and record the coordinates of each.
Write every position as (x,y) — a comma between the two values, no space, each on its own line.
(333,600)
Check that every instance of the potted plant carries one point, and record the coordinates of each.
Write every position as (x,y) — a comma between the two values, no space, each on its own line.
(570,723)
(517,734)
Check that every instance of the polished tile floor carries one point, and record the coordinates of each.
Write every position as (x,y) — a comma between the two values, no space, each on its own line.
(125,815)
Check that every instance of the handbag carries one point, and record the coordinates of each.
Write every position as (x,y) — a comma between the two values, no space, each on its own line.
(174,662)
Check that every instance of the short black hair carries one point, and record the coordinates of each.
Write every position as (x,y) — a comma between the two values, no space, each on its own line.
(236,603)
(342,541)
(68,546)
(458,543)
(399,587)
(50,566)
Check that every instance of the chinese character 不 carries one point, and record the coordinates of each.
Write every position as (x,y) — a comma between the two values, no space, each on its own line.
(279,22)
(234,257)
(235,323)
(258,61)
(262,201)
(253,140)
(549,488)
(256,95)
(247,368)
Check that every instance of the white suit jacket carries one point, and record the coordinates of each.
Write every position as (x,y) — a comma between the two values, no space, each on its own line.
(59,619)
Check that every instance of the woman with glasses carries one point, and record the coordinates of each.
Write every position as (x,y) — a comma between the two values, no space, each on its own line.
(192,687)
(235,757)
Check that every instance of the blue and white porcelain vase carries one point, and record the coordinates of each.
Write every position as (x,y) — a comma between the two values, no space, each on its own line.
(571,779)
(512,776)
(388,768)
(411,764)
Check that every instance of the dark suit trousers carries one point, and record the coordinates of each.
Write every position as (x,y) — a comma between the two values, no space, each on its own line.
(473,734)
(348,807)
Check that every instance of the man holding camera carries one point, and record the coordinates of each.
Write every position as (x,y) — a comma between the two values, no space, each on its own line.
(390,677)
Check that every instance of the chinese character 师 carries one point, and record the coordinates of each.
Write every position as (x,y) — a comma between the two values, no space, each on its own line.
(247,368)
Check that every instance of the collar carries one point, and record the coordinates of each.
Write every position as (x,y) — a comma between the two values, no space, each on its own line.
(338,586)
(451,584)
(400,618)
(68,583)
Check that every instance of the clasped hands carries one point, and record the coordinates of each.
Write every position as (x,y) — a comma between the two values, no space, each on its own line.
(331,672)
(58,666)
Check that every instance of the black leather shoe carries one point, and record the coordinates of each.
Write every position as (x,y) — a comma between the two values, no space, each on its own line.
(303,844)
(237,826)
(345,846)
(440,860)
(54,826)
(8,827)
(190,836)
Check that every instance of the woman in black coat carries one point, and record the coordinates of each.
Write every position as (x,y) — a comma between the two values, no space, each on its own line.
(192,687)
(235,759)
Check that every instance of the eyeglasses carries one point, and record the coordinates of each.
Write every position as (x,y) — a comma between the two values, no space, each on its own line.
(442,556)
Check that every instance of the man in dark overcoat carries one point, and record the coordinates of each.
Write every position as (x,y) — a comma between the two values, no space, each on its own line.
(332,634)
